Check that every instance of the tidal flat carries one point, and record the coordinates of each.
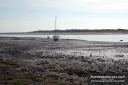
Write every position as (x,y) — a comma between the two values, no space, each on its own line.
(41,61)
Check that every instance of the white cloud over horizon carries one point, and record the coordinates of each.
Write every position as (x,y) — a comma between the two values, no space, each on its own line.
(31,15)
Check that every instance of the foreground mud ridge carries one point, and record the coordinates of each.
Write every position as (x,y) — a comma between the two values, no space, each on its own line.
(37,61)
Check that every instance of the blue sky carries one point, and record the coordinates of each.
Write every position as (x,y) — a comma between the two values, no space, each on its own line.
(32,15)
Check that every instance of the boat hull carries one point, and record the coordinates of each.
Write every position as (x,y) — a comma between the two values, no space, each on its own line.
(56,38)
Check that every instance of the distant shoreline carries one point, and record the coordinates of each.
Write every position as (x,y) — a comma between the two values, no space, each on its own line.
(68,33)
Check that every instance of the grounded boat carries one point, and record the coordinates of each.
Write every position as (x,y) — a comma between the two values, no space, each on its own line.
(56,37)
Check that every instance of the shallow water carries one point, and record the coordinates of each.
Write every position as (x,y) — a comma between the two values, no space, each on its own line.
(110,38)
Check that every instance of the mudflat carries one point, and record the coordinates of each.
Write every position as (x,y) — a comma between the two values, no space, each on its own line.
(65,62)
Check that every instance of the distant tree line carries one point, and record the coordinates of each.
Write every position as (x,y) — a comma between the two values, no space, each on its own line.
(84,30)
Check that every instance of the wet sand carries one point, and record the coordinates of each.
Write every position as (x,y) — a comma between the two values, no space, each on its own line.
(70,60)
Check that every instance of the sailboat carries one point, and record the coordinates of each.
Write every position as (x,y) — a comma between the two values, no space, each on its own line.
(56,37)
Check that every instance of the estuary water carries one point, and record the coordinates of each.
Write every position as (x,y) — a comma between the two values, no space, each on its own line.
(109,38)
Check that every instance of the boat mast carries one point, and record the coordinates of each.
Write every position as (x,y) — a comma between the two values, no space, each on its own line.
(55,24)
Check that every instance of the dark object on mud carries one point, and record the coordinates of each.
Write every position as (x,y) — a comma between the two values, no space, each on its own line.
(48,37)
(56,38)
(119,55)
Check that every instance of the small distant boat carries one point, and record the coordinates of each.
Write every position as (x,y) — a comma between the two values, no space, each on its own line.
(56,37)
(121,40)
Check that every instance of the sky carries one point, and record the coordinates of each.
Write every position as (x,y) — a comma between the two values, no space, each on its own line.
(33,15)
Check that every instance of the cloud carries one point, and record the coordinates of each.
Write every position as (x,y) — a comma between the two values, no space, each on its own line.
(81,5)
(69,5)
